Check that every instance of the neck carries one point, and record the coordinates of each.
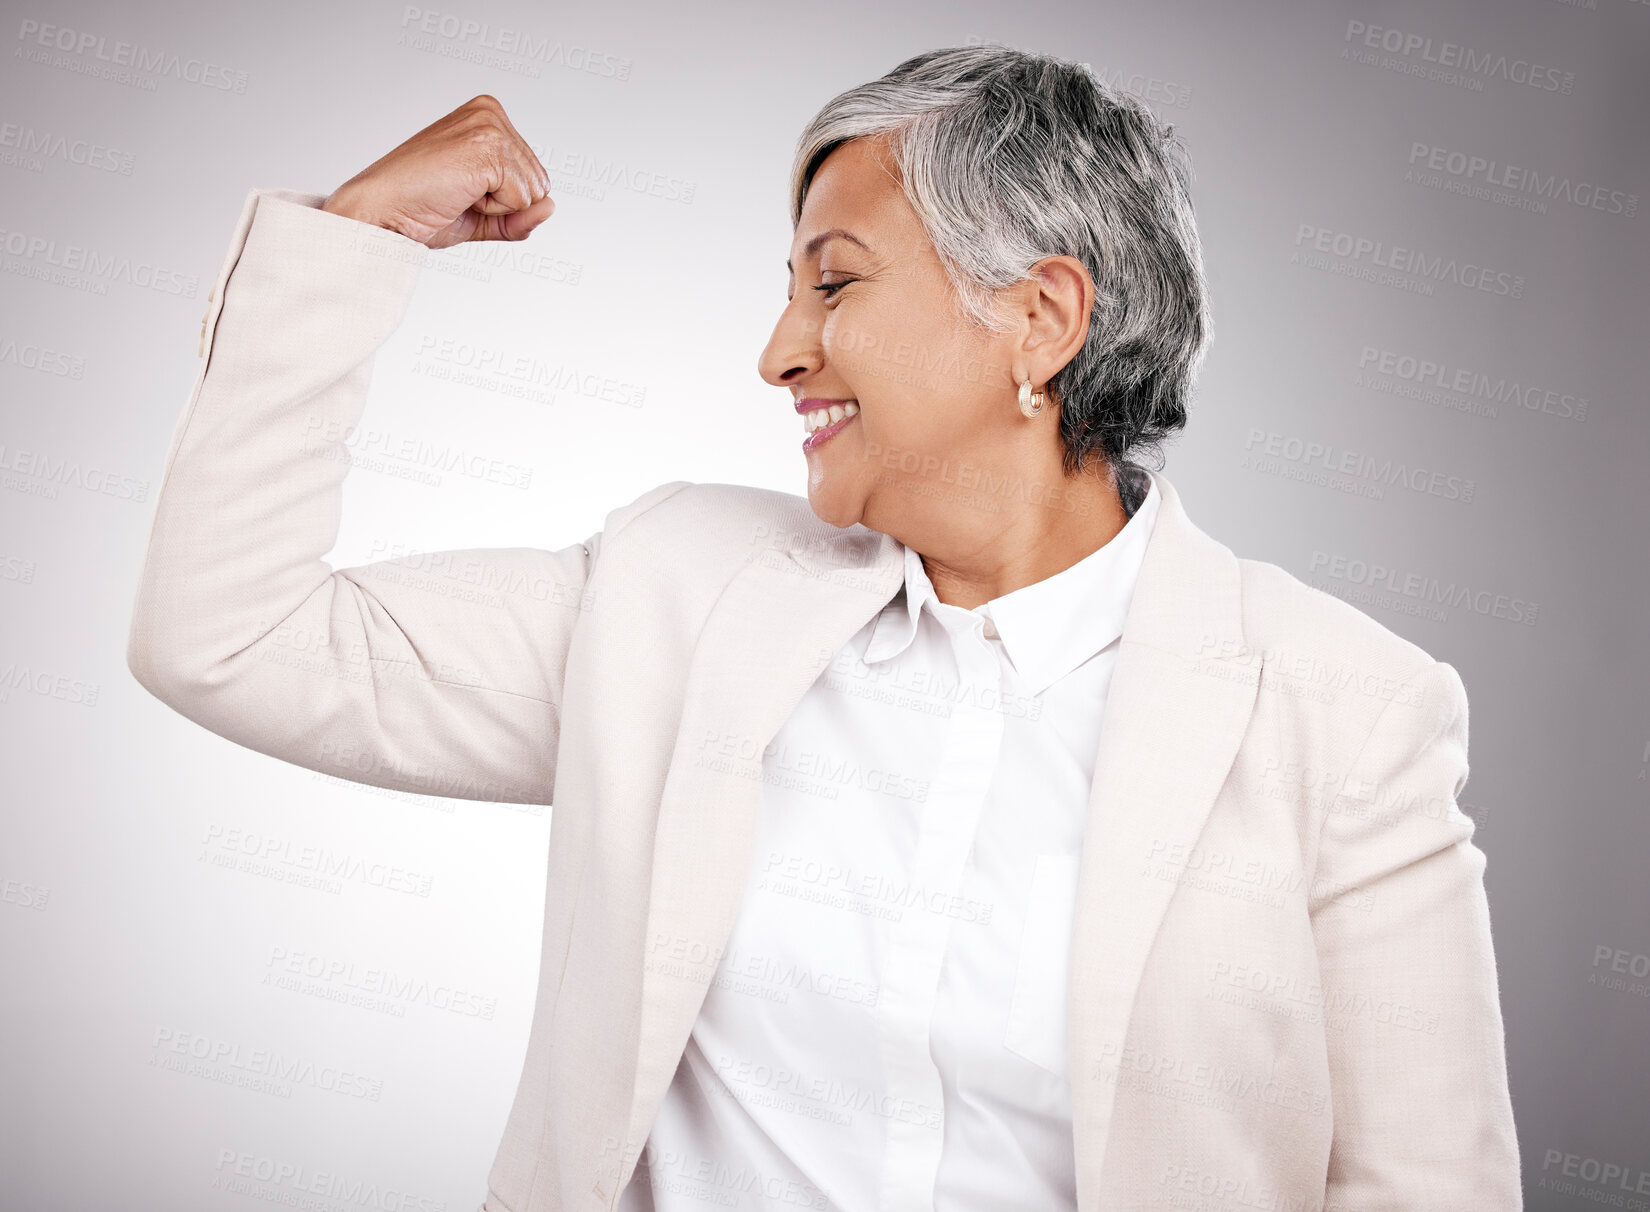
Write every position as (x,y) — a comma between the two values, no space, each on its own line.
(973,556)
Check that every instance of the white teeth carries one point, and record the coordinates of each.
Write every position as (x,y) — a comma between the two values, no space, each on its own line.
(821,417)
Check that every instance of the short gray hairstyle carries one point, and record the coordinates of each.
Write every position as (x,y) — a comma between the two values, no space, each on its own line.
(1008,157)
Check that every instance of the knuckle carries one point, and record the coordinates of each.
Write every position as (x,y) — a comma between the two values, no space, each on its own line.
(485,142)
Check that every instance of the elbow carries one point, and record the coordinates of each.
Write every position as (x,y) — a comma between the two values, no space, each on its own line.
(166,650)
(160,670)
(142,660)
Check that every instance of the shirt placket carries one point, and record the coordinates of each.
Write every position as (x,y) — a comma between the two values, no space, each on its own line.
(917,939)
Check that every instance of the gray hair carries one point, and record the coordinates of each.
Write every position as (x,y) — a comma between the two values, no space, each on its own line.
(1008,157)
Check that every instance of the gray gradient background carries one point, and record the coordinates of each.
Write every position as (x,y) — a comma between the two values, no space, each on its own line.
(118,929)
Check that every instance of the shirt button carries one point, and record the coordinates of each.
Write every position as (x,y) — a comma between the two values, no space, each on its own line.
(990,629)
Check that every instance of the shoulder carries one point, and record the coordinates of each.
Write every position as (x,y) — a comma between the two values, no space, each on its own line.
(1308,638)
(1328,657)
(1279,606)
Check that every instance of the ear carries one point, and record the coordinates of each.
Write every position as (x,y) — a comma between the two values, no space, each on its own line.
(1058,300)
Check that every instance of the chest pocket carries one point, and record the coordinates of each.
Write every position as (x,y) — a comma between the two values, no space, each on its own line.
(1037,1016)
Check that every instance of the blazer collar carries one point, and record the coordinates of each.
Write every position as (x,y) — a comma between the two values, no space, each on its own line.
(1181,696)
(1049,627)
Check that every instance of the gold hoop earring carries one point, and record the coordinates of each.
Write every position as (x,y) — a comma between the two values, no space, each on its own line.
(1031,402)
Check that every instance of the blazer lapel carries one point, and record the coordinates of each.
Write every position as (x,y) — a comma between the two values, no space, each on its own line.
(1181,696)
(779,623)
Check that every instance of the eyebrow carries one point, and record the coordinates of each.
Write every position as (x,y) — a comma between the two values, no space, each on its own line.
(818,241)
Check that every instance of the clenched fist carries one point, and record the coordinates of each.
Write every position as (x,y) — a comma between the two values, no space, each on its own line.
(468,176)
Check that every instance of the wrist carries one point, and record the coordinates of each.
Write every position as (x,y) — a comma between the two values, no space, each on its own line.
(346,203)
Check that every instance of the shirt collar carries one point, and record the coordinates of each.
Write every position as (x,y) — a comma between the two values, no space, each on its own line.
(1049,627)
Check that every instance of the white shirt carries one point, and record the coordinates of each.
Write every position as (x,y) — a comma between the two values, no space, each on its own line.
(886,1030)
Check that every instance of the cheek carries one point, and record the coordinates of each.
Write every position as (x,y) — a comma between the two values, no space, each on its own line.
(887,345)
(851,337)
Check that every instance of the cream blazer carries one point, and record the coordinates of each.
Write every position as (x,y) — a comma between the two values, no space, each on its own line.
(1283,993)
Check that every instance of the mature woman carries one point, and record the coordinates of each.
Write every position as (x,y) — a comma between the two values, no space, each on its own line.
(977,834)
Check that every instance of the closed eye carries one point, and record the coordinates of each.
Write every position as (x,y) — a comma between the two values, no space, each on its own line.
(830,288)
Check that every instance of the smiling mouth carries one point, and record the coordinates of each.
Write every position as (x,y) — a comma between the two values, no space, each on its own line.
(819,418)
(818,437)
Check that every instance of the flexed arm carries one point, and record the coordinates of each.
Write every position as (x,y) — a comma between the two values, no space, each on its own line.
(441,673)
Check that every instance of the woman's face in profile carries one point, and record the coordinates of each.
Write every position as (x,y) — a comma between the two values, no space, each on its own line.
(872,320)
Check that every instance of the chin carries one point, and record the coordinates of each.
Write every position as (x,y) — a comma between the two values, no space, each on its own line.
(834,506)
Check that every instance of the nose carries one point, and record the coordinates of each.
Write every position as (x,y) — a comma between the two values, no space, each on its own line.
(794,350)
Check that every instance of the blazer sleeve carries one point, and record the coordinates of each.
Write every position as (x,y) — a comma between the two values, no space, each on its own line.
(440,673)
(1422,1113)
